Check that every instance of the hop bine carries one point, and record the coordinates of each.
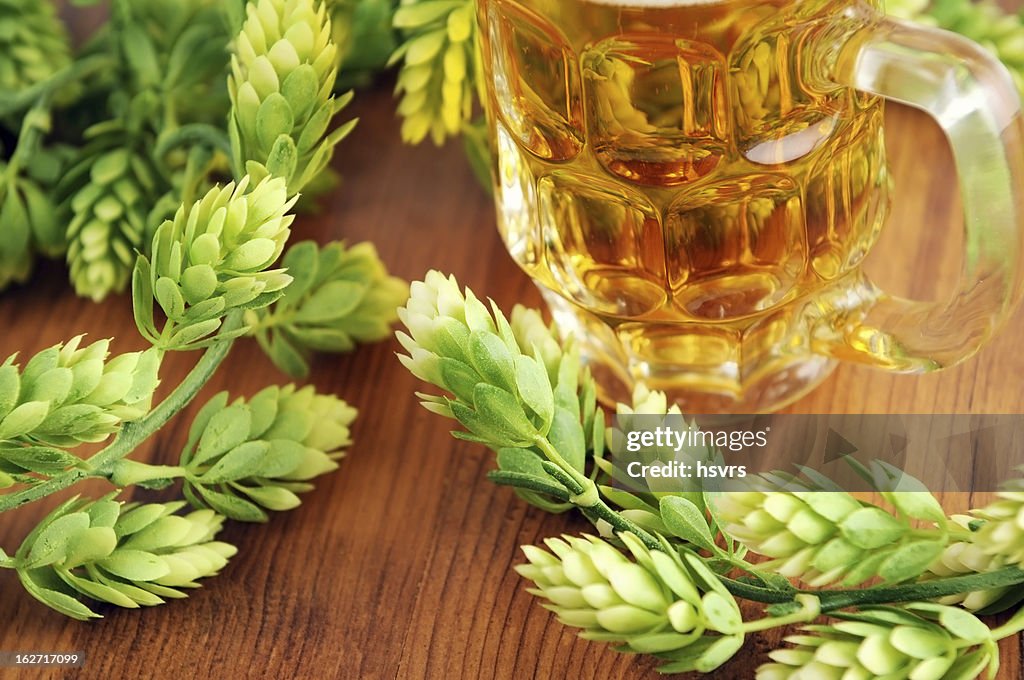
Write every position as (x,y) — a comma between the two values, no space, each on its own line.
(282,77)
(125,555)
(212,258)
(438,68)
(340,296)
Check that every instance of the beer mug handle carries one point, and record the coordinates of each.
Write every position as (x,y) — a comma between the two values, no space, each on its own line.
(973,98)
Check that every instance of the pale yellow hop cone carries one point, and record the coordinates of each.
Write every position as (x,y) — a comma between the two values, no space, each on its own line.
(128,555)
(656,603)
(961,558)
(827,537)
(920,642)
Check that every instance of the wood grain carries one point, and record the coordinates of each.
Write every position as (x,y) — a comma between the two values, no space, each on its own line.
(399,565)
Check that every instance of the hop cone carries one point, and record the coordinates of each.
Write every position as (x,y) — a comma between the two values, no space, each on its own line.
(922,641)
(126,555)
(211,258)
(658,604)
(340,296)
(173,53)
(1002,534)
(69,394)
(961,558)
(438,69)
(826,537)
(110,192)
(504,397)
(258,454)
(989,25)
(33,44)
(282,76)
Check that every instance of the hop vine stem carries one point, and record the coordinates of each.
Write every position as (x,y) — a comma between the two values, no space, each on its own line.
(133,434)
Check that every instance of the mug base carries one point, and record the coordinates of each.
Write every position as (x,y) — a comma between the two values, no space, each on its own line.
(698,368)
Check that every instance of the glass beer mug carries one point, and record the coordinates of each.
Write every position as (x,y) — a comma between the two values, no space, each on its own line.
(694,186)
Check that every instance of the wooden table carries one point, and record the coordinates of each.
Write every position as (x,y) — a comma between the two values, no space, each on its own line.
(399,564)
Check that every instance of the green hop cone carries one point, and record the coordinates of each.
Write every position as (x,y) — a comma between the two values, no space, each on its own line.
(258,454)
(438,68)
(69,394)
(658,603)
(282,77)
(920,641)
(825,537)
(1002,534)
(502,396)
(340,296)
(213,257)
(109,193)
(128,555)
(33,44)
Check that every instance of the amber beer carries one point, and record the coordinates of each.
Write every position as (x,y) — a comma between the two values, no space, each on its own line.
(681,180)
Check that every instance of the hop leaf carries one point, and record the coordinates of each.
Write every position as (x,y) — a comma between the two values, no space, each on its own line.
(340,296)
(28,218)
(109,191)
(917,641)
(827,537)
(68,394)
(33,44)
(258,454)
(122,554)
(438,70)
(211,258)
(657,603)
(282,75)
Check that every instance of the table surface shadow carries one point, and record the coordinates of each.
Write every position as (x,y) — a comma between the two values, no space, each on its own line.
(399,565)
